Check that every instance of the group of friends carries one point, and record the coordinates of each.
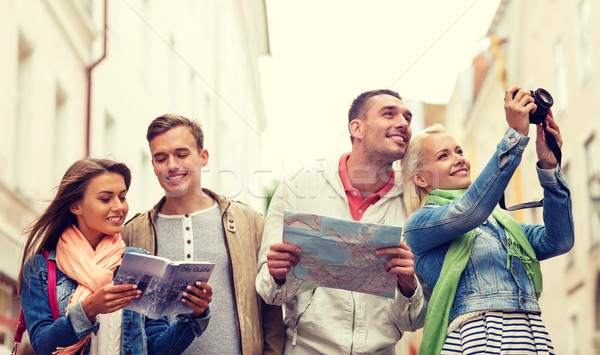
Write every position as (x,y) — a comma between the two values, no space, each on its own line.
(466,271)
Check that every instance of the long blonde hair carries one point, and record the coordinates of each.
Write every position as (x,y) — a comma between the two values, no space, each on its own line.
(412,163)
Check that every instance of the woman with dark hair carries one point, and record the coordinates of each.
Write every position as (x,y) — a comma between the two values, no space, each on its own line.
(81,230)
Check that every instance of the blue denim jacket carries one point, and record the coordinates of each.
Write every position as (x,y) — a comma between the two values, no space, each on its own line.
(486,283)
(140,335)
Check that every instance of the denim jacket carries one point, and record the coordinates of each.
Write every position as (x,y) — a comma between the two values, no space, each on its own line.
(140,335)
(486,283)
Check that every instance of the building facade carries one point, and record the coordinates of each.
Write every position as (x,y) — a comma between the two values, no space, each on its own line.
(85,78)
(550,44)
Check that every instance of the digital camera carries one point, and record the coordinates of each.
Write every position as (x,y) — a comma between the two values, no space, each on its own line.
(543,100)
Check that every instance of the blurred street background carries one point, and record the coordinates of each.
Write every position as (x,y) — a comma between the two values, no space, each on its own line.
(271,82)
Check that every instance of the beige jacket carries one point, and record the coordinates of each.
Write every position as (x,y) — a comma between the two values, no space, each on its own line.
(260,325)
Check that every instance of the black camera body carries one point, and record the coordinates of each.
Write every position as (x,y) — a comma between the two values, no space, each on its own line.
(543,101)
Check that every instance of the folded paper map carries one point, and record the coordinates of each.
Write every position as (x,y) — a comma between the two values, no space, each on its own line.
(339,253)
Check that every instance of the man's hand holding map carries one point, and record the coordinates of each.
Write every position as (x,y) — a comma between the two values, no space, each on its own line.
(340,253)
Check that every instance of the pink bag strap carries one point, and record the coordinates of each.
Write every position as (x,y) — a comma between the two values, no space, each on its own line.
(52,285)
(21,326)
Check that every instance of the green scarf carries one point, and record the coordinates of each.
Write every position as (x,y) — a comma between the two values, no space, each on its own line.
(442,297)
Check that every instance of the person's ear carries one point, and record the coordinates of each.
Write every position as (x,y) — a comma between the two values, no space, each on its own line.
(75,208)
(356,128)
(204,157)
(418,180)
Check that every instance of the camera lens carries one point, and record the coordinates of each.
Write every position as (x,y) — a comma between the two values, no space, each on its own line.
(544,101)
(543,97)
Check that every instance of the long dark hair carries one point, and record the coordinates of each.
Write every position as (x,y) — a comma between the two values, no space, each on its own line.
(45,231)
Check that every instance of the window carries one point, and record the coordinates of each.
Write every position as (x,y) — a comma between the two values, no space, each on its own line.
(23,124)
(144,187)
(570,256)
(9,307)
(193,92)
(593,184)
(596,338)
(110,135)
(574,341)
(597,303)
(60,149)
(561,98)
(173,71)
(88,5)
(584,41)
(146,56)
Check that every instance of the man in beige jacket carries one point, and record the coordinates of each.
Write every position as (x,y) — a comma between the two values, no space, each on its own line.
(192,223)
(359,186)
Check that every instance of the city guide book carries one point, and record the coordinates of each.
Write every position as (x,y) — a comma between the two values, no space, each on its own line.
(162,282)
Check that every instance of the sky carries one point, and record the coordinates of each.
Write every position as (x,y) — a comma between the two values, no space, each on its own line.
(326,52)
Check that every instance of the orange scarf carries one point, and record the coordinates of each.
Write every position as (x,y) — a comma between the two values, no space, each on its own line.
(92,269)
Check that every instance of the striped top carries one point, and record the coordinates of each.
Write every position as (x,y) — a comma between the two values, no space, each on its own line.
(500,332)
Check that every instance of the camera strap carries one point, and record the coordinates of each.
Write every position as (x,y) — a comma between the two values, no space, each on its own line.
(520,206)
(551,142)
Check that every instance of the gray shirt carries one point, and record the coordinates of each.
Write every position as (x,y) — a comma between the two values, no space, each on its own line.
(199,236)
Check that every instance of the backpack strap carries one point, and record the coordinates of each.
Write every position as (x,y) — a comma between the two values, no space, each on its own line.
(52,285)
(21,326)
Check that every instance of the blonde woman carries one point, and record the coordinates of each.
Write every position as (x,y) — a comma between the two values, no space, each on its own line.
(482,266)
